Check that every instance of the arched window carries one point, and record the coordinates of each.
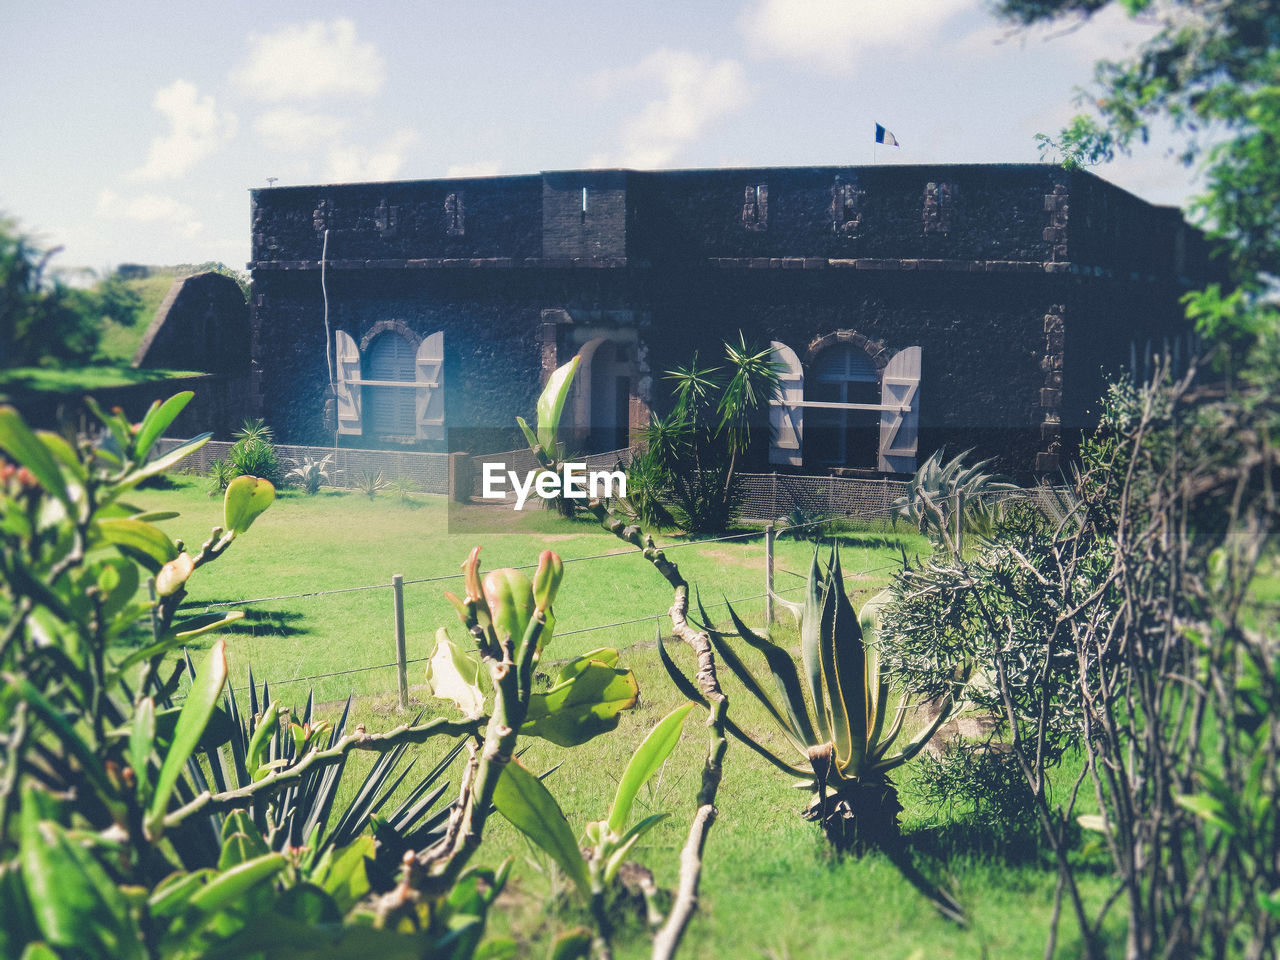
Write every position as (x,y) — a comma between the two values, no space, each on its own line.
(844,373)
(389,410)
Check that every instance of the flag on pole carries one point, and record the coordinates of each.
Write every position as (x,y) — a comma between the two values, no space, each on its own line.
(885,137)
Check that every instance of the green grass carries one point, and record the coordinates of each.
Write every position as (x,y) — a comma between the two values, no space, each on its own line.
(119,343)
(339,540)
(75,379)
(769,889)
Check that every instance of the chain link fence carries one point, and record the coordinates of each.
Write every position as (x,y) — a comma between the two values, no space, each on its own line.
(428,472)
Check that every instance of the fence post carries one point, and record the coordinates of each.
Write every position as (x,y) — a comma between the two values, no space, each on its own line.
(402,678)
(768,575)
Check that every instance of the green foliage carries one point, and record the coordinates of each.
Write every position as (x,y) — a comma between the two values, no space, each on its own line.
(545,441)
(254,453)
(833,709)
(944,500)
(590,691)
(646,486)
(44,321)
(801,524)
(529,806)
(130,827)
(404,488)
(310,472)
(1210,71)
(694,449)
(221,472)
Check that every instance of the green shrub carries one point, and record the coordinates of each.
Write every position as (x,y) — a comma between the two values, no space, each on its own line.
(221,472)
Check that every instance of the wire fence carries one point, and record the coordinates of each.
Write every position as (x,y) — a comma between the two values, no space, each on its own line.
(426,472)
(398,583)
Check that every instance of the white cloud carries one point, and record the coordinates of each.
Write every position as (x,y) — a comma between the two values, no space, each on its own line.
(348,163)
(196,128)
(833,35)
(477,168)
(694,91)
(152,209)
(311,60)
(291,129)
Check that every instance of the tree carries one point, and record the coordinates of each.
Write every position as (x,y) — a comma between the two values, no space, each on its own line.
(1212,69)
(693,451)
(42,320)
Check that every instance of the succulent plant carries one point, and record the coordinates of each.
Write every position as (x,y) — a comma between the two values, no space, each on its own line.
(833,708)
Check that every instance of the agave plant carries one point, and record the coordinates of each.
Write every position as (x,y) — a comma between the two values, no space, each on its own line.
(942,499)
(833,708)
(304,817)
(309,472)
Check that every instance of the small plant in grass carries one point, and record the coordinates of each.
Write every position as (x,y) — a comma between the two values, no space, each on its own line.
(221,472)
(404,488)
(371,482)
(948,500)
(309,472)
(594,868)
(844,742)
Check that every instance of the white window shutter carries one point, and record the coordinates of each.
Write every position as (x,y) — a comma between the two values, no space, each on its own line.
(900,426)
(430,379)
(786,416)
(347,356)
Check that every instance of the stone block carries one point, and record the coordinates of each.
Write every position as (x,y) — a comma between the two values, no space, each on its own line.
(1050,397)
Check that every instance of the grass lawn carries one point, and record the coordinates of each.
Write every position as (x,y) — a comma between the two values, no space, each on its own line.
(769,889)
(119,343)
(340,540)
(74,379)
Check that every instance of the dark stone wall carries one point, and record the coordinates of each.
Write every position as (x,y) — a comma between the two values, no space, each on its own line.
(488,217)
(981,339)
(599,230)
(1021,283)
(202,324)
(492,327)
(990,212)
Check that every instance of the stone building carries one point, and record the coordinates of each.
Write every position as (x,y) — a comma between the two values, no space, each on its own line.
(911,306)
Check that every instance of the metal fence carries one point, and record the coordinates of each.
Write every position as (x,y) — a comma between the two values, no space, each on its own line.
(428,472)
(769,496)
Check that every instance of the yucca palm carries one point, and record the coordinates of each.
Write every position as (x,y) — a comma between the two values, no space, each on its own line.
(833,708)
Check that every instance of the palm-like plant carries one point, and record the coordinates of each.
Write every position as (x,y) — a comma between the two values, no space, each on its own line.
(833,708)
(699,442)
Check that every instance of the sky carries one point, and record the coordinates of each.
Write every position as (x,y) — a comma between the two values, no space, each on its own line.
(133,133)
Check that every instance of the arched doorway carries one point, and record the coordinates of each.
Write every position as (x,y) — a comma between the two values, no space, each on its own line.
(843,373)
(602,400)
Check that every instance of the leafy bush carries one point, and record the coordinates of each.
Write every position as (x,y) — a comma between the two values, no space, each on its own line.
(697,445)
(1123,629)
(404,488)
(135,829)
(802,524)
(254,453)
(221,472)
